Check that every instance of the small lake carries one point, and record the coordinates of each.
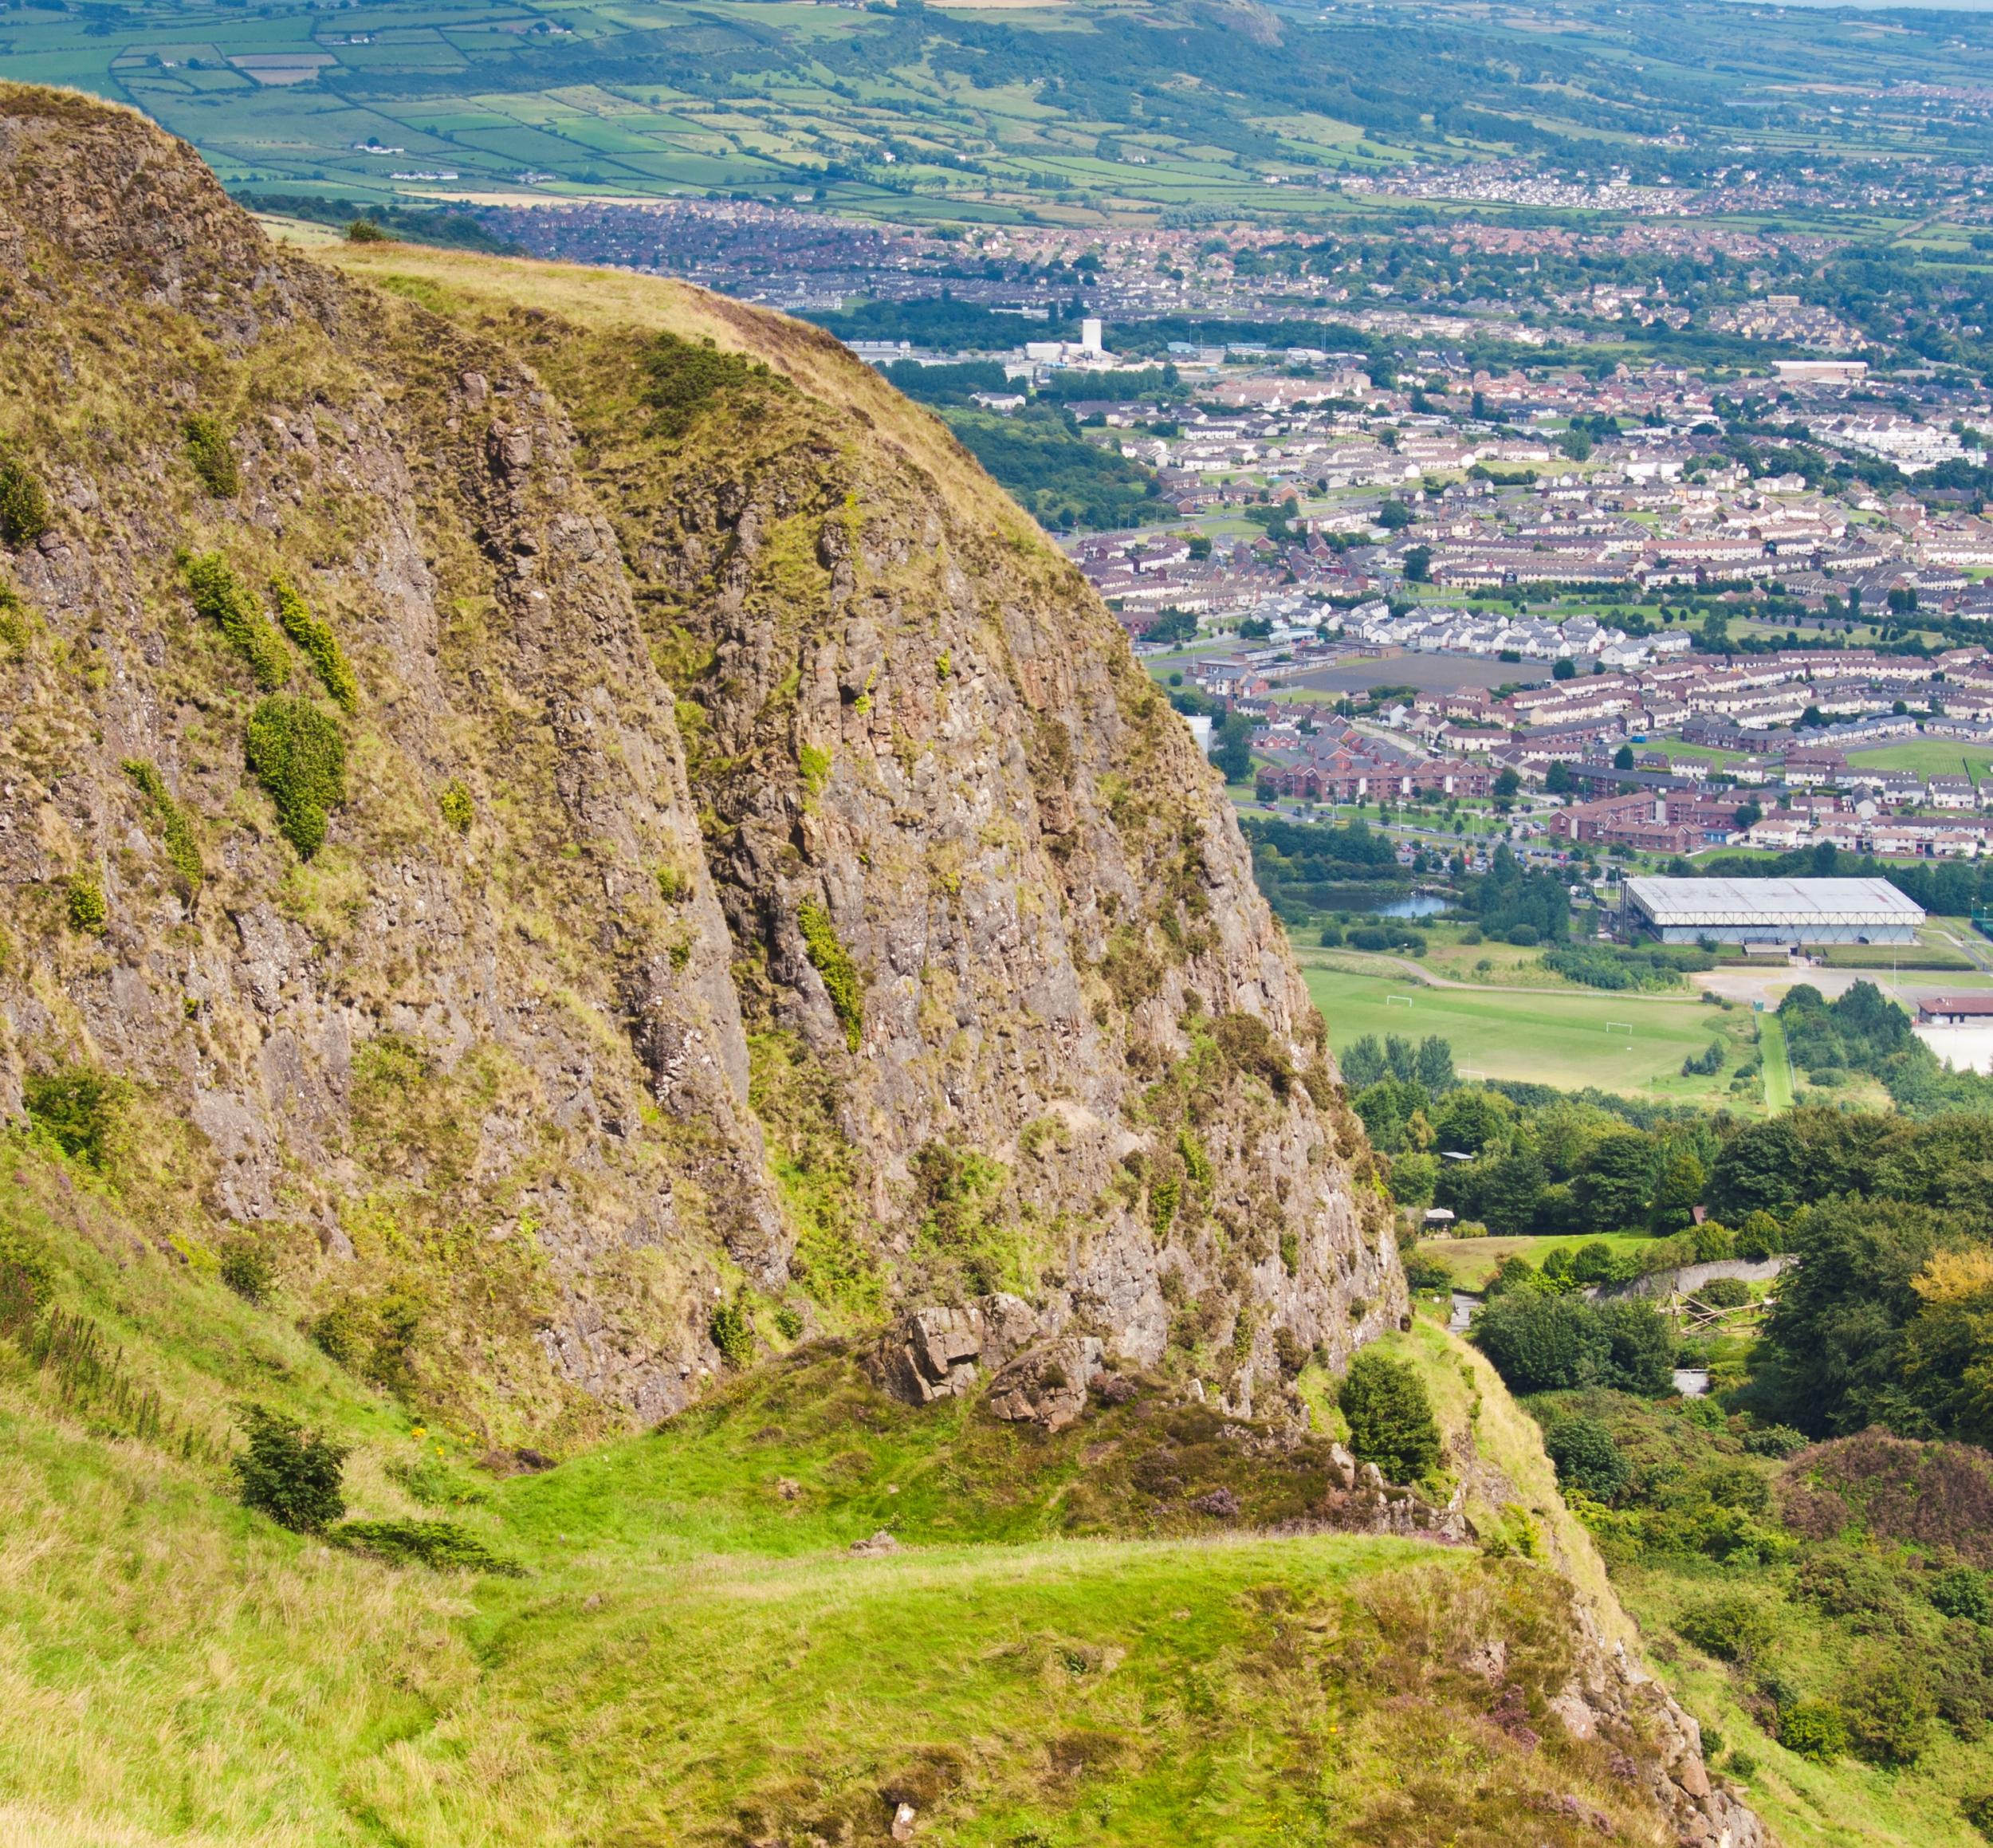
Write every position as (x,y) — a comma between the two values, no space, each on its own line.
(1417,905)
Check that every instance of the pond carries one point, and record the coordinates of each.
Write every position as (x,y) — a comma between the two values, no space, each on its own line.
(1413,905)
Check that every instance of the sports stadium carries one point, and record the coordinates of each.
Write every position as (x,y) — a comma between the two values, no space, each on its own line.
(1768,911)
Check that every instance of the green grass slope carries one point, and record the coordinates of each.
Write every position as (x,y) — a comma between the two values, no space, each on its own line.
(1061,1651)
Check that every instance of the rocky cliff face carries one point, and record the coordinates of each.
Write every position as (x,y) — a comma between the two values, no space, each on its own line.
(760,891)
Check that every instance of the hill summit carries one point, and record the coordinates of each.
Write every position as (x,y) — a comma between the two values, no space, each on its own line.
(579,826)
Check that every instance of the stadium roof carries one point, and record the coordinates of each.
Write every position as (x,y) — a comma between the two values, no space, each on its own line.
(1687,902)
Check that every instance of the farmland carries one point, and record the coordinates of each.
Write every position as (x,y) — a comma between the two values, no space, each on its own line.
(1042,113)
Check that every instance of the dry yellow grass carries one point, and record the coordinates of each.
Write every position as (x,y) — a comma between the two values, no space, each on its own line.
(812,360)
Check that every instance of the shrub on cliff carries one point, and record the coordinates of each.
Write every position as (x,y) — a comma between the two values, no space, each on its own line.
(24,505)
(460,811)
(732,1334)
(833,963)
(213,460)
(75,1108)
(1389,1417)
(321,646)
(224,599)
(687,375)
(176,830)
(297,753)
(247,1270)
(88,911)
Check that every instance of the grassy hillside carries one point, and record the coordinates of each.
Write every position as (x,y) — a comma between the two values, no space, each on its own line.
(691,1654)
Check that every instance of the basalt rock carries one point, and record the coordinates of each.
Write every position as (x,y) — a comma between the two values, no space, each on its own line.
(941,1351)
(763,875)
(1047,1385)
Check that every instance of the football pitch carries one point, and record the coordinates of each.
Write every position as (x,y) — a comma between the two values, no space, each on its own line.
(1617,1042)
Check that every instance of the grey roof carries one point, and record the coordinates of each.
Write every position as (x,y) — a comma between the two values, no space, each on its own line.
(1689,902)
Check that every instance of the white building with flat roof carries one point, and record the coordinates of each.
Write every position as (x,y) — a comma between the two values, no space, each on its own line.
(1770,910)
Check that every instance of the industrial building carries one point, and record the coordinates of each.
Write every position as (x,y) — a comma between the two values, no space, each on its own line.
(1769,911)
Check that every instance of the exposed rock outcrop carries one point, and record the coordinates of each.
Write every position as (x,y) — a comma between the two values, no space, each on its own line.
(1610,1689)
(764,880)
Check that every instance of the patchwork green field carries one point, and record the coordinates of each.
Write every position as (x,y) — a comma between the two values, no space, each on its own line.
(1627,1042)
(1052,112)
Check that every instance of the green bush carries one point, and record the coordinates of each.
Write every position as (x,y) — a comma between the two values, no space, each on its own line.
(458,809)
(1588,1460)
(224,599)
(1815,1729)
(1423,1274)
(732,1334)
(1959,1591)
(340,1333)
(213,460)
(89,912)
(1389,1417)
(1977,1809)
(788,1323)
(832,962)
(1779,1440)
(1890,1709)
(74,1106)
(24,505)
(182,846)
(288,1473)
(247,1270)
(442,1546)
(321,646)
(297,753)
(14,620)
(1540,1343)
(686,377)
(1733,1626)
(1724,1293)
(1844,1580)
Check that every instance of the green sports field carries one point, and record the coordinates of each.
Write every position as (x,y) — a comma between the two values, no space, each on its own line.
(1570,1040)
(1926,758)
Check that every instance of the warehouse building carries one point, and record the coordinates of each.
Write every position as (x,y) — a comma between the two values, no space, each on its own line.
(1769,911)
